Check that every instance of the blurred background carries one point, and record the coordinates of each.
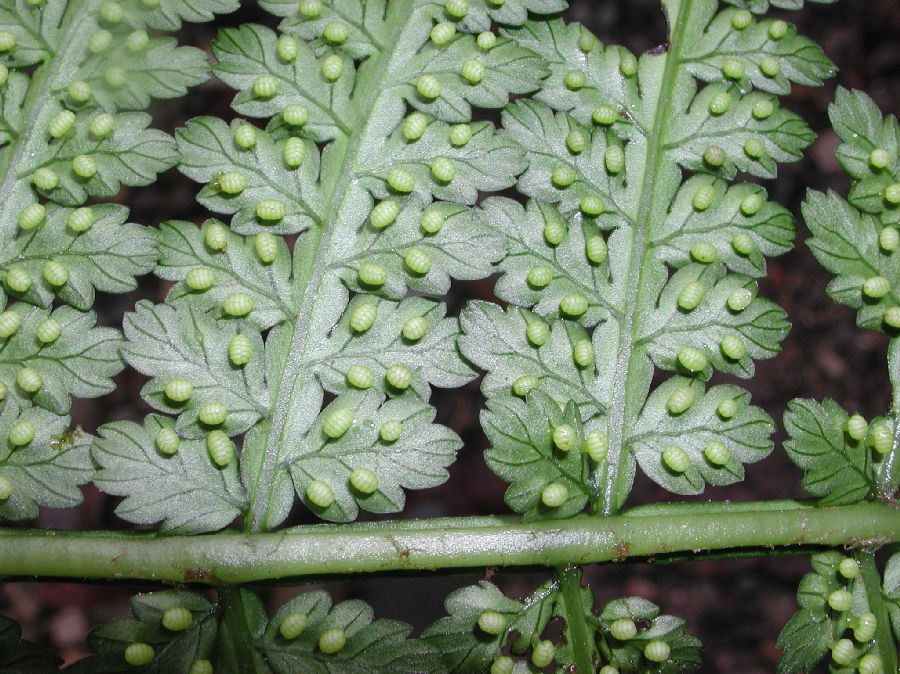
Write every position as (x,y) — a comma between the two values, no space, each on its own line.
(737,608)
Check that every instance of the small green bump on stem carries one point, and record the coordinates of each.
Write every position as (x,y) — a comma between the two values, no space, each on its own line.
(200,279)
(266,247)
(79,91)
(573,305)
(614,160)
(332,67)
(413,127)
(543,653)
(167,441)
(880,438)
(18,279)
(864,627)
(294,152)
(741,19)
(332,640)
(201,667)
(554,231)
(7,41)
(751,204)
(743,244)
(486,41)
(364,480)
(720,103)
(293,625)
(575,80)
(179,390)
(320,494)
(232,182)
(676,459)
(45,179)
(48,331)
(562,176)
(456,9)
(889,239)
(220,448)
(111,12)
(414,328)
(605,115)
(755,148)
(628,63)
(417,261)
(29,380)
(539,277)
(692,359)
(295,114)
(240,350)
(336,32)
(138,654)
(623,629)
(608,669)
(337,422)
(657,650)
(460,135)
(727,409)
(177,619)
(892,318)
(115,77)
(583,353)
(473,71)
(596,445)
(384,213)
(428,87)
(848,568)
(6,490)
(690,296)
(763,109)
(372,275)
(714,156)
(577,141)
(876,287)
(20,433)
(596,249)
(237,305)
(360,377)
(503,665)
(399,377)
(565,437)
(537,332)
(212,414)
(55,274)
(61,123)
(245,136)
(102,125)
(432,221)
(733,347)
(879,158)
(843,652)
(287,48)
(522,385)
(770,67)
(99,41)
(587,41)
(733,69)
(857,428)
(870,664)
(310,9)
(739,299)
(778,29)
(840,600)
(270,210)
(554,495)
(443,170)
(363,317)
(892,194)
(704,252)
(84,166)
(80,220)
(137,41)
(442,33)
(32,217)
(10,321)
(400,180)
(391,431)
(592,205)
(716,453)
(680,400)
(703,198)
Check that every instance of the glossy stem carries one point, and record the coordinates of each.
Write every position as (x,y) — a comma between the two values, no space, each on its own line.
(450,543)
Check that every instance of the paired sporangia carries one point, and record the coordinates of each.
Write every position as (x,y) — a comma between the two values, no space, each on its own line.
(294,357)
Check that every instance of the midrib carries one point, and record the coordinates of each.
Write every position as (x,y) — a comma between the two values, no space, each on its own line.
(622,408)
(310,270)
(35,111)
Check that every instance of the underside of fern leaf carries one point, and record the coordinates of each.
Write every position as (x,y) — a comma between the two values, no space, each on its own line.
(635,253)
(74,79)
(297,350)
